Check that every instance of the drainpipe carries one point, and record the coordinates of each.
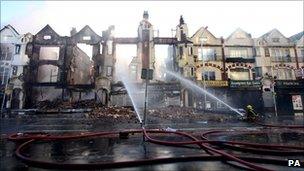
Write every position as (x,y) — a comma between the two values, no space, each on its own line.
(224,75)
(296,56)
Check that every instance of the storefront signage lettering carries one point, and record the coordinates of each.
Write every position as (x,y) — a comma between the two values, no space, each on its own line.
(215,83)
(238,84)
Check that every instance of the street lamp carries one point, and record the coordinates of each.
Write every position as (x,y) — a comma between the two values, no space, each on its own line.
(203,39)
(274,95)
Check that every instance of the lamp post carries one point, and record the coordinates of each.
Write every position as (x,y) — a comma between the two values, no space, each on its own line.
(202,39)
(274,98)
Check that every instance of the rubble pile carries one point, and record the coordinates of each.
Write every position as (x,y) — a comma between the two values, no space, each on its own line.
(176,113)
(119,114)
(59,104)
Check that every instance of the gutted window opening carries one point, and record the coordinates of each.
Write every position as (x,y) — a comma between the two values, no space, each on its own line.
(49,53)
(47,74)
(126,57)
(87,49)
(110,47)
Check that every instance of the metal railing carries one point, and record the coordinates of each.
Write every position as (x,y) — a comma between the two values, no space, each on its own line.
(282,59)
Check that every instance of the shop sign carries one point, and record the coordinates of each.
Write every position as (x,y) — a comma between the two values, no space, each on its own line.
(215,83)
(297,102)
(245,84)
(289,84)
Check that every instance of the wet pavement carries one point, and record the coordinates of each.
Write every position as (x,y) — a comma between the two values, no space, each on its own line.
(92,150)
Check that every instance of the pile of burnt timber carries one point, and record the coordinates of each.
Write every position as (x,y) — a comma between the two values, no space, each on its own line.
(180,114)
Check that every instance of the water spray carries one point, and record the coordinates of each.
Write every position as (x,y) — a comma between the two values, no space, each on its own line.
(200,89)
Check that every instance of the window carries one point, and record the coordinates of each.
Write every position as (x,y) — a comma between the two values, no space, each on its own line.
(208,54)
(86,37)
(302,53)
(287,52)
(110,47)
(48,73)
(49,53)
(239,74)
(258,71)
(15,69)
(17,49)
(6,52)
(47,37)
(279,55)
(100,48)
(99,69)
(258,52)
(209,75)
(267,54)
(109,71)
(276,40)
(190,51)
(181,52)
(133,69)
(283,74)
(254,52)
(191,71)
(238,53)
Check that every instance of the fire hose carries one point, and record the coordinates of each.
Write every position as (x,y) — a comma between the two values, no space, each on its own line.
(28,138)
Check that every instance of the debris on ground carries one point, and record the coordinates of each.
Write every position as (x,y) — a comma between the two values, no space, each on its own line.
(122,114)
(59,104)
(177,113)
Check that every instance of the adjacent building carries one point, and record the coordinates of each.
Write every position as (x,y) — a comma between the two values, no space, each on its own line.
(14,62)
(241,70)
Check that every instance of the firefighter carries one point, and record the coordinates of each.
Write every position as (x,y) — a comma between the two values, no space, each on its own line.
(251,114)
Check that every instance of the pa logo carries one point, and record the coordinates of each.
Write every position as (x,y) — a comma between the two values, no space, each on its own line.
(294,163)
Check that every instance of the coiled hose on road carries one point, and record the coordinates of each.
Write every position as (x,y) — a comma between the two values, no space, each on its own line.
(208,145)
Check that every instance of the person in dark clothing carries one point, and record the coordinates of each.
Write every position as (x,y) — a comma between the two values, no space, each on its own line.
(251,115)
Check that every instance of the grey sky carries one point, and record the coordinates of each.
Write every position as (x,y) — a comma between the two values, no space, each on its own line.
(221,17)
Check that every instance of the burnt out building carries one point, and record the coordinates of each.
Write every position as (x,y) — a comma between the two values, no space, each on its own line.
(68,68)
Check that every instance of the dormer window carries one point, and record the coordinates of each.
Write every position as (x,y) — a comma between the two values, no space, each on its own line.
(47,37)
(86,38)
(276,40)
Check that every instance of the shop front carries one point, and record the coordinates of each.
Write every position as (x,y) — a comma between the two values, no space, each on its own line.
(290,97)
(243,93)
